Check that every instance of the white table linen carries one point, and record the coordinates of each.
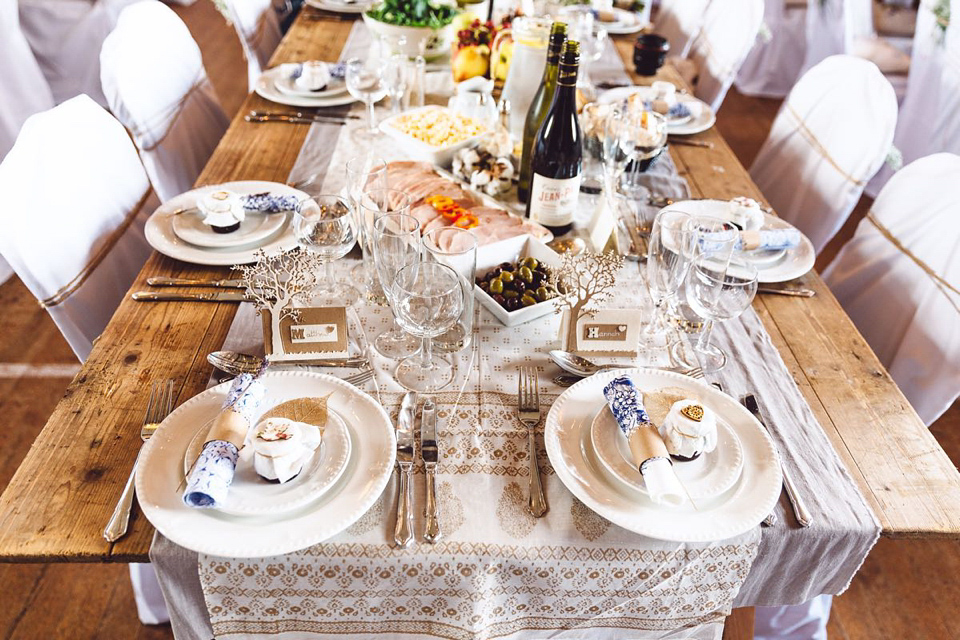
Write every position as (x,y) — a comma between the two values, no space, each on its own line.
(905,299)
(155,83)
(829,138)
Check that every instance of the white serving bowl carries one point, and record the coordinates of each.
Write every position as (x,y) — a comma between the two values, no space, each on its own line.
(511,250)
(413,36)
(442,156)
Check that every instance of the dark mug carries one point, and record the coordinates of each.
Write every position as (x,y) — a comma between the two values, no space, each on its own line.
(649,52)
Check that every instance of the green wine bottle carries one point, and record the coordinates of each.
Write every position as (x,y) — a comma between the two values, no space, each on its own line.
(557,152)
(540,104)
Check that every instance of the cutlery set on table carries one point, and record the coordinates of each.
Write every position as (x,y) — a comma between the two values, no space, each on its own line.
(429,455)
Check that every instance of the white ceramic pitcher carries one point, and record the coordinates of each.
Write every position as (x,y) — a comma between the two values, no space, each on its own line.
(530,36)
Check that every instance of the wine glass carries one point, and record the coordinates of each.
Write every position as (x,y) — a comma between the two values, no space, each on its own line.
(396,75)
(428,302)
(365,172)
(593,41)
(671,249)
(615,148)
(456,248)
(373,203)
(365,82)
(649,131)
(324,225)
(396,244)
(718,291)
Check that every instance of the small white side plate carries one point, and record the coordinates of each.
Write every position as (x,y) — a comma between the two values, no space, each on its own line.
(255,228)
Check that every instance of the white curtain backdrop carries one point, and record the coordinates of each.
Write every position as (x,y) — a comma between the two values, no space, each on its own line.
(72,187)
(830,137)
(259,30)
(899,280)
(929,120)
(155,84)
(728,33)
(772,68)
(679,21)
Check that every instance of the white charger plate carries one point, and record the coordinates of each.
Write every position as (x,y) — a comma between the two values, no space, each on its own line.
(370,464)
(772,266)
(709,476)
(706,118)
(161,236)
(287,85)
(255,228)
(266,87)
(252,495)
(744,506)
(340,7)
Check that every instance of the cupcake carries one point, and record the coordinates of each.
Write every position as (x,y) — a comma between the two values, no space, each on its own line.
(689,430)
(222,210)
(281,447)
(746,213)
(314,76)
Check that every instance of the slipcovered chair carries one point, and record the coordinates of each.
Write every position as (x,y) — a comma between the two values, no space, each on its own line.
(259,30)
(25,91)
(899,280)
(679,21)
(829,138)
(773,67)
(155,83)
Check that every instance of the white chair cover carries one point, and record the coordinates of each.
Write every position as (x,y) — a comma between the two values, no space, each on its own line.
(728,33)
(72,218)
(772,68)
(834,25)
(807,621)
(259,30)
(151,607)
(65,36)
(156,86)
(679,21)
(24,89)
(928,116)
(899,280)
(830,137)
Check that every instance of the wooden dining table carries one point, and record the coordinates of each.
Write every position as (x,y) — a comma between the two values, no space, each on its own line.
(55,507)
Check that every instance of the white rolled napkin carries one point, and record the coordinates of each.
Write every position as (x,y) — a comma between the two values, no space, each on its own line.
(646,446)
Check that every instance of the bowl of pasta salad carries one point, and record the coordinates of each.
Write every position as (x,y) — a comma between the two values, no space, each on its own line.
(433,133)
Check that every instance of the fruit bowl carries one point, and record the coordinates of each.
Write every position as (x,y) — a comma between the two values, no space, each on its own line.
(406,40)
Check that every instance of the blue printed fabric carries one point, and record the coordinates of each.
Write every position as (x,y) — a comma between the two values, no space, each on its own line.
(625,404)
(266,202)
(211,475)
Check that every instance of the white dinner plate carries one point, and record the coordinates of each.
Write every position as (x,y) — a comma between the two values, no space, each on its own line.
(254,229)
(772,266)
(710,475)
(266,87)
(251,495)
(288,85)
(340,7)
(742,507)
(161,236)
(705,119)
(627,22)
(370,463)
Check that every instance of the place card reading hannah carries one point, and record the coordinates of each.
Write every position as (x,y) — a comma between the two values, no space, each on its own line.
(313,332)
(611,332)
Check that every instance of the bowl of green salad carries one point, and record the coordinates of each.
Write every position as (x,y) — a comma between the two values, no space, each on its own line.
(413,27)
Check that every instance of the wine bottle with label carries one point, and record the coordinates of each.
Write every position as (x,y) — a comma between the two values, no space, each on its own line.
(557,152)
(540,104)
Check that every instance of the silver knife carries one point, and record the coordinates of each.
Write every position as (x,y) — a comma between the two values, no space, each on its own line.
(429,453)
(403,532)
(213,296)
(799,509)
(800,293)
(164,281)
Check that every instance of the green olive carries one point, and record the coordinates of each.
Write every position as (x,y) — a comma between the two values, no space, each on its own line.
(510,293)
(496,285)
(528,300)
(543,294)
(526,274)
(506,276)
(530,263)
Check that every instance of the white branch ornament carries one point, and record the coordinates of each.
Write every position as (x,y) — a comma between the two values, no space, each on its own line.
(587,279)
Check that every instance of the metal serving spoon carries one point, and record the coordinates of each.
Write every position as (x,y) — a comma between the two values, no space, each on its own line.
(236,363)
(578,365)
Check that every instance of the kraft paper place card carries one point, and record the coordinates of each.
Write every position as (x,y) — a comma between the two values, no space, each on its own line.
(602,229)
(608,332)
(318,332)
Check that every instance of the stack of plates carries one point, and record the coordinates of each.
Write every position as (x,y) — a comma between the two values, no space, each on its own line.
(278,85)
(185,237)
(261,518)
(731,489)
(702,118)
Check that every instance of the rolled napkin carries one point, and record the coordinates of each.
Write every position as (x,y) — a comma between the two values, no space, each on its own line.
(763,239)
(646,446)
(212,473)
(266,202)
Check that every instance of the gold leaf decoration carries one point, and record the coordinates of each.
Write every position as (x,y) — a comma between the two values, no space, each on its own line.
(310,410)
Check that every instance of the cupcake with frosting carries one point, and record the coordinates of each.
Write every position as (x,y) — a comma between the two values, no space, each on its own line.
(746,213)
(222,210)
(281,447)
(314,76)
(689,430)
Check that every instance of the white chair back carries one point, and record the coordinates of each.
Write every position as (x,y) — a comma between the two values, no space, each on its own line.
(928,116)
(772,68)
(728,33)
(66,36)
(834,25)
(259,30)
(24,89)
(899,280)
(72,220)
(831,135)
(679,21)
(156,86)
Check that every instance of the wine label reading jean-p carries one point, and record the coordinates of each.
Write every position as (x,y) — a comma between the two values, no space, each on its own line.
(553,201)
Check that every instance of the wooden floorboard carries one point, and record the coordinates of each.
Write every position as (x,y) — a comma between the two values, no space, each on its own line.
(906,589)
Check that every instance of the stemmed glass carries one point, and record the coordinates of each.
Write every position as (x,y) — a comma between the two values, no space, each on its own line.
(456,248)
(718,291)
(396,244)
(365,82)
(671,249)
(396,76)
(593,41)
(324,224)
(428,301)
(616,147)
(373,203)
(365,172)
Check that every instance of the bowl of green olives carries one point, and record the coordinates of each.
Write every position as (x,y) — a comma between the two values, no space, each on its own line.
(517,287)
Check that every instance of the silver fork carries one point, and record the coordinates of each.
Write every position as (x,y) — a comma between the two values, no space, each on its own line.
(159,407)
(528,412)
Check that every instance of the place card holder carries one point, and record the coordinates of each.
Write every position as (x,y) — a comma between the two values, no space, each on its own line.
(317,332)
(607,332)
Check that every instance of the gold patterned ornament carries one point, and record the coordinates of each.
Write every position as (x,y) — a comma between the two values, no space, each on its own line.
(693,411)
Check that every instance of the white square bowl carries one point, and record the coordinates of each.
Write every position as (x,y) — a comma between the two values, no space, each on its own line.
(419,149)
(511,250)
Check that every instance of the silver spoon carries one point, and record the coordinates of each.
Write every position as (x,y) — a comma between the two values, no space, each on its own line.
(236,363)
(578,365)
(573,246)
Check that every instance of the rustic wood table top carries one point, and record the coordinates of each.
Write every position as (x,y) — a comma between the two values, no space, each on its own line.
(57,504)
